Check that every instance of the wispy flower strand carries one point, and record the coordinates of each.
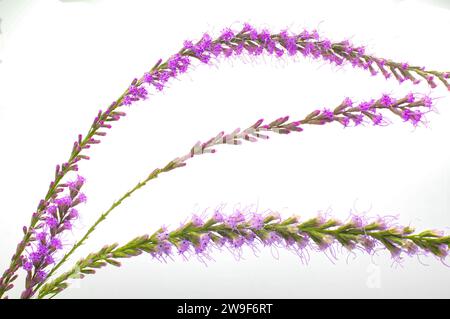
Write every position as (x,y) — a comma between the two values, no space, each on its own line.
(308,44)
(200,237)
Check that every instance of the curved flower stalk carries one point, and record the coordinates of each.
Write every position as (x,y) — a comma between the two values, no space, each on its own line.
(309,44)
(198,238)
(410,108)
(228,44)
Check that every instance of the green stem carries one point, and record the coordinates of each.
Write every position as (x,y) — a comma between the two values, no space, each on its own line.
(170,166)
(392,238)
(219,139)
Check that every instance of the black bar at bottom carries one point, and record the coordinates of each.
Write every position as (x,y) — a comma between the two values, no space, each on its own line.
(225,308)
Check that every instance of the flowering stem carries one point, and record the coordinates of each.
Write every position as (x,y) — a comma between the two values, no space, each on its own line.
(101,122)
(54,188)
(319,233)
(343,113)
(171,165)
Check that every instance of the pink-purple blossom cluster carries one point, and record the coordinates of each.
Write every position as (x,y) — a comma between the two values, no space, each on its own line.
(408,108)
(308,44)
(199,237)
(59,216)
(158,78)
(254,43)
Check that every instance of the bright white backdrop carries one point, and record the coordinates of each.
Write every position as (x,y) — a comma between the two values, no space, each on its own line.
(63,60)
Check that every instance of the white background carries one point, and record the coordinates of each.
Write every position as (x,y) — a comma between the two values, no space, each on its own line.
(64,60)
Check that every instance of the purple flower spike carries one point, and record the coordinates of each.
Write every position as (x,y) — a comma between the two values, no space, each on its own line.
(163,235)
(56,220)
(49,260)
(64,202)
(67,225)
(73,213)
(329,115)
(51,210)
(386,100)
(345,121)
(52,222)
(377,119)
(28,266)
(188,44)
(347,102)
(358,119)
(35,257)
(427,101)
(412,116)
(77,183)
(55,243)
(197,221)
(320,234)
(40,275)
(41,236)
(217,217)
(257,221)
(366,106)
(443,250)
(367,243)
(410,98)
(357,221)
(227,35)
(80,199)
(184,246)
